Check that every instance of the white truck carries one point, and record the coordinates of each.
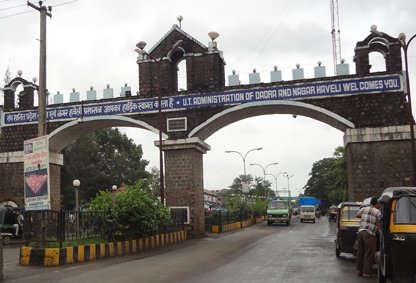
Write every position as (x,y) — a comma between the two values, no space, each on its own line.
(307,213)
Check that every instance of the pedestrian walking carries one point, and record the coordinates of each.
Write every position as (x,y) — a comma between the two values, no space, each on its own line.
(367,237)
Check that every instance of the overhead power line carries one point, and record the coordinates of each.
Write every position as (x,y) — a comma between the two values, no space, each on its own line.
(24,12)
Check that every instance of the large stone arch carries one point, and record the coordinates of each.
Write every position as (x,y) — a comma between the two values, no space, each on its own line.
(62,136)
(248,110)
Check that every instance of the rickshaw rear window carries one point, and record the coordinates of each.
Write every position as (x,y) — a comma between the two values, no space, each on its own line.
(405,212)
(348,213)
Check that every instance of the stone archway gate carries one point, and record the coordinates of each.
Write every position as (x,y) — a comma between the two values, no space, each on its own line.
(370,108)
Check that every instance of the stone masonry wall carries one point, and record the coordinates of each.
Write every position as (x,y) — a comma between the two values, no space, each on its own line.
(377,159)
(11,182)
(184,184)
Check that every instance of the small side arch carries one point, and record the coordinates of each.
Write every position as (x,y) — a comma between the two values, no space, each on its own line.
(382,43)
(247,110)
(67,133)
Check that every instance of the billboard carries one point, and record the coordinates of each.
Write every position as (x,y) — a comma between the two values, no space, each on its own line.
(36,173)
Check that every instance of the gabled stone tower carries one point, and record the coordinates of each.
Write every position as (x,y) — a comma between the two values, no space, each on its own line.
(158,71)
(381,42)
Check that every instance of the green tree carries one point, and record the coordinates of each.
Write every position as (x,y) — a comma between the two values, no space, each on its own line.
(254,199)
(328,178)
(100,160)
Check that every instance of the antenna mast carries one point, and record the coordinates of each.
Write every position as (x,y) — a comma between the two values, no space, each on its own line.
(336,38)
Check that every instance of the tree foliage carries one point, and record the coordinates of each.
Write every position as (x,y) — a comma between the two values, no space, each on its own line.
(133,211)
(252,200)
(328,178)
(100,160)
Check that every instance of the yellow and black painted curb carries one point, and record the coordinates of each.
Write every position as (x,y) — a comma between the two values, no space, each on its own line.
(236,225)
(91,252)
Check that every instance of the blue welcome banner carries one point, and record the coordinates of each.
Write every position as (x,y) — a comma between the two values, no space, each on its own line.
(386,83)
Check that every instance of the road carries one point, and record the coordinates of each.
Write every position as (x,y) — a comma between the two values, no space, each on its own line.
(302,252)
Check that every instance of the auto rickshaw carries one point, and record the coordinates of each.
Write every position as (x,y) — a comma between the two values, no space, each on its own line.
(398,235)
(333,211)
(347,227)
(10,224)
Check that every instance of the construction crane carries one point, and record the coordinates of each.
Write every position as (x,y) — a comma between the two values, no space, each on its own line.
(335,32)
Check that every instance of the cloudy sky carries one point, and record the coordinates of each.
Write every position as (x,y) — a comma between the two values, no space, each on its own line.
(92,42)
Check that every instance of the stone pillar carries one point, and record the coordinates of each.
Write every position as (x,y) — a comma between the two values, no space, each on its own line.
(377,158)
(184,181)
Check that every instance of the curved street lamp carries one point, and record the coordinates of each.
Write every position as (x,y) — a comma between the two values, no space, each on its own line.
(264,173)
(288,177)
(141,45)
(275,177)
(405,46)
(244,156)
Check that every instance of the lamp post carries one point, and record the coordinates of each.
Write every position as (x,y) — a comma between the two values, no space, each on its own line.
(275,177)
(76,183)
(264,173)
(288,177)
(114,188)
(405,46)
(141,45)
(244,156)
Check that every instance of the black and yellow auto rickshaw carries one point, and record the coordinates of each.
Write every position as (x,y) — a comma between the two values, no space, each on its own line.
(333,212)
(10,223)
(397,261)
(347,227)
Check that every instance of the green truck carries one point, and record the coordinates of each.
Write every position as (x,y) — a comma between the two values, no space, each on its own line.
(278,211)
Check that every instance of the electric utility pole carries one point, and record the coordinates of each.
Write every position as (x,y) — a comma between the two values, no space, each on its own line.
(42,65)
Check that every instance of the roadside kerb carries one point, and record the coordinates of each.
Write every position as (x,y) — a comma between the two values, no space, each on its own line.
(59,256)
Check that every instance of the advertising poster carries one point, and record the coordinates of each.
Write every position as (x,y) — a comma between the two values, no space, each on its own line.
(36,174)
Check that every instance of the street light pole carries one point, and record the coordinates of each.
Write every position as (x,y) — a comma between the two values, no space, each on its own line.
(244,156)
(76,183)
(264,174)
(405,46)
(288,177)
(141,45)
(275,177)
(114,188)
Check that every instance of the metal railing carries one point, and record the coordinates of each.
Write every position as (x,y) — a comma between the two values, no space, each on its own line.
(48,227)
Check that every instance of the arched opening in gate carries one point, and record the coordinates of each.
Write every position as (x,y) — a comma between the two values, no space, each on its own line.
(294,135)
(115,146)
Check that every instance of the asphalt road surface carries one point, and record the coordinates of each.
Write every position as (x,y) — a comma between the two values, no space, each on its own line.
(302,252)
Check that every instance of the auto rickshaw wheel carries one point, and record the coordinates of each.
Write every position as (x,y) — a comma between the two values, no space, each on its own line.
(6,240)
(380,277)
(337,252)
